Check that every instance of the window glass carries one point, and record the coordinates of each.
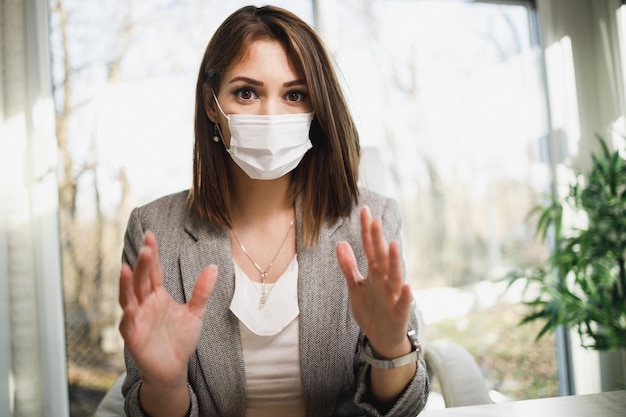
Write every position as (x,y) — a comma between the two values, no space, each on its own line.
(124,79)
(451,106)
(449,100)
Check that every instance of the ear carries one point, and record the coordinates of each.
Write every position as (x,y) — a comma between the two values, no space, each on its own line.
(209,104)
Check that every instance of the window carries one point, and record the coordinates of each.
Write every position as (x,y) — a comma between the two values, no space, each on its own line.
(124,76)
(448,95)
(451,100)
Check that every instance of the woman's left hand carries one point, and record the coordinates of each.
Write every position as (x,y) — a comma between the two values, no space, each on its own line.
(381,302)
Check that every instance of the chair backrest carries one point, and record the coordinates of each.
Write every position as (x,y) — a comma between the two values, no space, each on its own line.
(112,405)
(461,380)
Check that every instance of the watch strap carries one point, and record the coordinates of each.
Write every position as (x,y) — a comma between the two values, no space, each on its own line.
(390,363)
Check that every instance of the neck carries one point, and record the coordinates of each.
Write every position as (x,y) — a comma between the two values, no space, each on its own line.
(260,200)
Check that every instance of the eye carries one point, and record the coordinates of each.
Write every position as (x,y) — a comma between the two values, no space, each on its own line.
(296,96)
(245,93)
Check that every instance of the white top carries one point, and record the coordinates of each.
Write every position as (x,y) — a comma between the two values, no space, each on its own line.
(270,341)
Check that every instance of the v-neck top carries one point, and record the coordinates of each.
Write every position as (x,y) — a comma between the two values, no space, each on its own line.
(270,343)
(280,308)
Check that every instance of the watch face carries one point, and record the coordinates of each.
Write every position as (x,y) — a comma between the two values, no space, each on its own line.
(413,338)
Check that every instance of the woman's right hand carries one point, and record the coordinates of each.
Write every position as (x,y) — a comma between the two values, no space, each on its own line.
(159,333)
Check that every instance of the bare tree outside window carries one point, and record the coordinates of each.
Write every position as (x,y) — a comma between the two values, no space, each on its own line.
(98,47)
(89,248)
(124,75)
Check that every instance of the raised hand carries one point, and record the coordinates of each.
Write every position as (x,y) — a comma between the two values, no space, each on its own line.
(159,333)
(381,302)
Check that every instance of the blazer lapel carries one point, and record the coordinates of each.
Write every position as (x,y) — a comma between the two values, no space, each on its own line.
(219,349)
(322,341)
(322,336)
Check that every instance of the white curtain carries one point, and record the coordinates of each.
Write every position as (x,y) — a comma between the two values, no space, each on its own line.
(585,79)
(33,379)
(584,69)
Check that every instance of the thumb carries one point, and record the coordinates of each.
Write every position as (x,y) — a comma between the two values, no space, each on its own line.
(202,290)
(347,263)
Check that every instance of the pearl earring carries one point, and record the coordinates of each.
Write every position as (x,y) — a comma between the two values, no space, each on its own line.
(216,132)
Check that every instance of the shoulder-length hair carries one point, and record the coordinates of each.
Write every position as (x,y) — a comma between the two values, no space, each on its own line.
(325,181)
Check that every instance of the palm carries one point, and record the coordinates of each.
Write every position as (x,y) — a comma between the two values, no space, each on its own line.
(380,303)
(379,310)
(159,333)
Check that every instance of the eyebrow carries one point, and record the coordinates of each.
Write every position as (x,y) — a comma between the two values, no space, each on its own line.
(260,83)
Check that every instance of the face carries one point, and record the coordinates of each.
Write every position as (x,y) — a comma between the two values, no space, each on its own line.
(264,82)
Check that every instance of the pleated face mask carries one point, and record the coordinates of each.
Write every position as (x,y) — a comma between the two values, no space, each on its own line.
(267,147)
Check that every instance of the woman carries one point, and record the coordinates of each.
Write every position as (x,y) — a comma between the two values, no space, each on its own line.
(253,304)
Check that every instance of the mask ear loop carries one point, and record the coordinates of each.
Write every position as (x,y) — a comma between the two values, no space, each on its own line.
(218,104)
(217,131)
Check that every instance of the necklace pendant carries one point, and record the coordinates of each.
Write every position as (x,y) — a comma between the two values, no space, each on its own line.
(264,292)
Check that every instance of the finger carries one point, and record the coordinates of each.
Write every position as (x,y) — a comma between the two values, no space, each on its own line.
(156,273)
(380,247)
(347,263)
(374,243)
(366,237)
(127,297)
(127,300)
(396,274)
(403,305)
(141,274)
(202,290)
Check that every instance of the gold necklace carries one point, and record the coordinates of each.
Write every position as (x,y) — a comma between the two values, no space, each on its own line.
(264,292)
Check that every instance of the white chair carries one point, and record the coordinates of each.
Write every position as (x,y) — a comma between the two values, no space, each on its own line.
(459,376)
(112,405)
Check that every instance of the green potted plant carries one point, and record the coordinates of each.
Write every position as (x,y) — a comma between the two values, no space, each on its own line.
(582,285)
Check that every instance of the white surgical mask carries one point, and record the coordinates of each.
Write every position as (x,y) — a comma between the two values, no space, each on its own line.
(267,147)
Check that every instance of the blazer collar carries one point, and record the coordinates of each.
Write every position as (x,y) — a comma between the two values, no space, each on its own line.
(220,331)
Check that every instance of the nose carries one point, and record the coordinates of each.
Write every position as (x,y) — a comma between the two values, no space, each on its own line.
(271,106)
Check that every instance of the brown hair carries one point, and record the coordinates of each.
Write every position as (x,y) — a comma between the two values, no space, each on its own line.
(325,181)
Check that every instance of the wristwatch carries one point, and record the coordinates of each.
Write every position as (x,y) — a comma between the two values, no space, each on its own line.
(368,355)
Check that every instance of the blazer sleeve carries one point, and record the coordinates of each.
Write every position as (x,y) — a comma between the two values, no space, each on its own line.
(133,241)
(413,400)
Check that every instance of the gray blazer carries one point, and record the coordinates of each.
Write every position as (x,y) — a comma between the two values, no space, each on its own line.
(334,379)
